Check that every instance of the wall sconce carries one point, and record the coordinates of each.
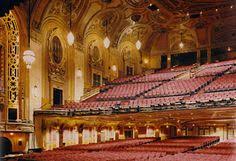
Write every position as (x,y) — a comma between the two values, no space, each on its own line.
(35,91)
(146,61)
(20,142)
(114,68)
(79,73)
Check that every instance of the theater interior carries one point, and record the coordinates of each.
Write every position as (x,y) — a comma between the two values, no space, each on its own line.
(118,80)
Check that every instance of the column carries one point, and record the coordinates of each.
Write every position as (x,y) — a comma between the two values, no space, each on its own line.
(198,56)
(61,137)
(157,132)
(168,60)
(209,55)
(98,135)
(135,132)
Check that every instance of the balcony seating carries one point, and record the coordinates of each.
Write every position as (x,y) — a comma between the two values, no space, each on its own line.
(232,70)
(218,64)
(157,77)
(95,105)
(179,87)
(159,101)
(179,68)
(126,91)
(212,71)
(224,83)
(212,97)
(124,79)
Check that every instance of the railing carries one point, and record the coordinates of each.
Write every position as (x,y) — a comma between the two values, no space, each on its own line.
(90,93)
(17,126)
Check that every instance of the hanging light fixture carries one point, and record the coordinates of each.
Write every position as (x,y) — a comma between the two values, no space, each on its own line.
(138,43)
(106,41)
(181,44)
(70,35)
(28,55)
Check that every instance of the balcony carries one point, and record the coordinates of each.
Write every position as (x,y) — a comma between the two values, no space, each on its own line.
(17,126)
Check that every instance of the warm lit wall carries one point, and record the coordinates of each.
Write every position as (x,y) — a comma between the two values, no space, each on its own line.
(15,138)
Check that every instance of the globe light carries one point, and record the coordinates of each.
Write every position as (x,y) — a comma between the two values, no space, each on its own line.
(138,45)
(29,58)
(70,38)
(79,73)
(106,42)
(145,61)
(181,44)
(114,68)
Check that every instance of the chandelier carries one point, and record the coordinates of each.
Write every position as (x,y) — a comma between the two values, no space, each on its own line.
(28,55)
(106,41)
(181,44)
(70,35)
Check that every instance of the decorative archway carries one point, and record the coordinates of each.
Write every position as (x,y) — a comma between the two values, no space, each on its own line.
(6,146)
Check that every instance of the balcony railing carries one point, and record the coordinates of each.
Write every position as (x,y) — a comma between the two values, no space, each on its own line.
(16,126)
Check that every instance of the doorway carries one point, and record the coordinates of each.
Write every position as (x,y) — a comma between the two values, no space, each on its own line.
(6,146)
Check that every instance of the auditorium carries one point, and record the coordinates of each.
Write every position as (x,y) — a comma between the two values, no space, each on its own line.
(117,80)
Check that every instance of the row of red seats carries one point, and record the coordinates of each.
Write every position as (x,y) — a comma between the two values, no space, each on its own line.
(159,101)
(179,68)
(126,91)
(225,82)
(223,148)
(124,79)
(114,145)
(179,87)
(214,97)
(212,71)
(222,63)
(103,105)
(196,157)
(158,77)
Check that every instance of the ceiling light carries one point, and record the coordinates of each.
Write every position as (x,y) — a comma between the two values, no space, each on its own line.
(150,4)
(28,55)
(29,58)
(229,49)
(231,6)
(216,9)
(138,45)
(70,38)
(181,44)
(187,13)
(70,35)
(106,42)
(201,13)
(114,68)
(145,61)
(158,10)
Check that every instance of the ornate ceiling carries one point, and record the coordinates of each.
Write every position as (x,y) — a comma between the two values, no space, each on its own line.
(193,17)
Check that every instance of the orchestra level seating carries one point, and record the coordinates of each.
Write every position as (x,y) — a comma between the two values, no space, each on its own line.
(145,149)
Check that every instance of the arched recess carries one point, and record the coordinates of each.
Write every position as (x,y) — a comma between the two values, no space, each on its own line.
(55,74)
(168,131)
(6,146)
(96,58)
(189,39)
(129,56)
